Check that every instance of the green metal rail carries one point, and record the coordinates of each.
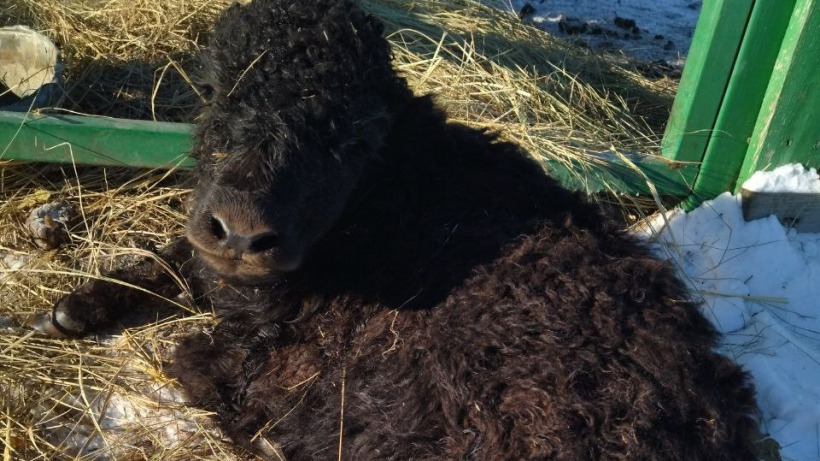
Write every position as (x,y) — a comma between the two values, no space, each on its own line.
(116,142)
(93,140)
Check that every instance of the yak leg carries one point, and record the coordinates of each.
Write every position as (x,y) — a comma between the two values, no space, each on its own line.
(100,303)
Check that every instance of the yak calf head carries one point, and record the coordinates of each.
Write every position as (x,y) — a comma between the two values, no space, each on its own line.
(301,101)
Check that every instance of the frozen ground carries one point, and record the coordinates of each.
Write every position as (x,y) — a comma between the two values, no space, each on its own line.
(761,286)
(663,27)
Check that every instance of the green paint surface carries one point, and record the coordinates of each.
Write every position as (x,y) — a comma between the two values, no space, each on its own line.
(788,126)
(729,140)
(134,143)
(93,140)
(709,65)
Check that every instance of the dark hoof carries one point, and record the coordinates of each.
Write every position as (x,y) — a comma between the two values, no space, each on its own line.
(56,324)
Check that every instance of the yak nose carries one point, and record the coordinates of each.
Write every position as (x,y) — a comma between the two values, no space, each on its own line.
(232,237)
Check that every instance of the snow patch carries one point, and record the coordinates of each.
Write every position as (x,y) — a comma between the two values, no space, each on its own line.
(787,178)
(156,418)
(759,286)
(665,26)
(11,262)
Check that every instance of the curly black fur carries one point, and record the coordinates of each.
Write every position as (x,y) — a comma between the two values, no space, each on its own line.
(454,304)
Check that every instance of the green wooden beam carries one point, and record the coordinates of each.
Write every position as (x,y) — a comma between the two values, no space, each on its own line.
(711,59)
(89,140)
(728,141)
(134,143)
(788,126)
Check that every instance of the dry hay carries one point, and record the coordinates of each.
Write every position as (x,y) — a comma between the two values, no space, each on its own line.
(106,397)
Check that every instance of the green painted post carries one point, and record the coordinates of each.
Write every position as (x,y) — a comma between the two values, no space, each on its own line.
(729,140)
(788,126)
(710,62)
(93,140)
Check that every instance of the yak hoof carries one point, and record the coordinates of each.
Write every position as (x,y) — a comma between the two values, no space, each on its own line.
(56,324)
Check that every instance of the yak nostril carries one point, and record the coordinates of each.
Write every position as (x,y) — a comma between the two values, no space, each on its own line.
(218,228)
(240,242)
(264,242)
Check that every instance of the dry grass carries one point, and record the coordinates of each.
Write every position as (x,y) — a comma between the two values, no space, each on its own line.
(59,399)
(132,58)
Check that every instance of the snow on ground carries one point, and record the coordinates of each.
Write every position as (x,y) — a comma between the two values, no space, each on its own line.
(787,178)
(664,27)
(761,286)
(110,421)
(158,419)
(11,261)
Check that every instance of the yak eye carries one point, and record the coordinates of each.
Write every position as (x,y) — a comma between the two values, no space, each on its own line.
(218,229)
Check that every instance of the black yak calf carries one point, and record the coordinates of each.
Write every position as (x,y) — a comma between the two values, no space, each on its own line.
(394,287)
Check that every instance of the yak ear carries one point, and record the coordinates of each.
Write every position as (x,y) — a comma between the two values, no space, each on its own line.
(206,73)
